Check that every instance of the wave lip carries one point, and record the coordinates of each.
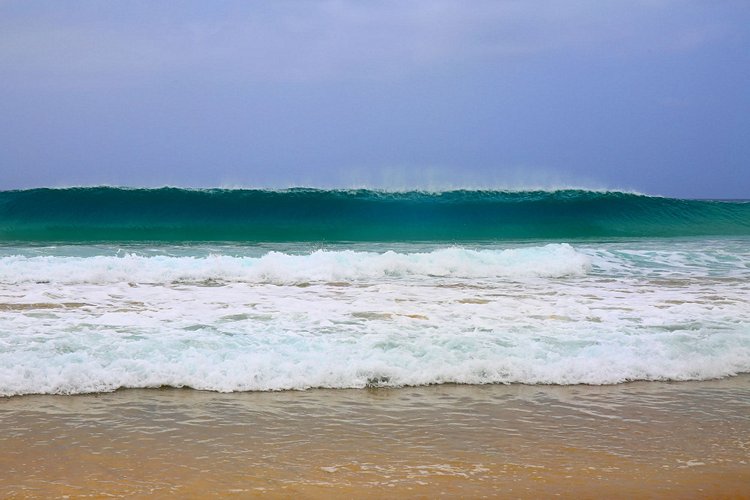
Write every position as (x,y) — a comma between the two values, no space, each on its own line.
(172,214)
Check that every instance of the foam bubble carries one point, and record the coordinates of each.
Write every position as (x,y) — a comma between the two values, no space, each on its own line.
(276,267)
(595,314)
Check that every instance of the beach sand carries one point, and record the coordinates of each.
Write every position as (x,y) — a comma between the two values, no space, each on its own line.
(643,439)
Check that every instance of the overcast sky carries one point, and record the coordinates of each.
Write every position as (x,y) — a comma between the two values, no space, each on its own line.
(652,96)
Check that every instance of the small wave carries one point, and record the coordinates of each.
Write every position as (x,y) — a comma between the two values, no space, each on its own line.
(245,364)
(551,260)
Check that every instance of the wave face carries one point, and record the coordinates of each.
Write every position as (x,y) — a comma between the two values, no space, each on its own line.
(103,214)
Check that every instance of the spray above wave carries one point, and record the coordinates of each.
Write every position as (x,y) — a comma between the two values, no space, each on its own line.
(174,215)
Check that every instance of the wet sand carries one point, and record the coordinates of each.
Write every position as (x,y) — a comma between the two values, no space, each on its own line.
(686,440)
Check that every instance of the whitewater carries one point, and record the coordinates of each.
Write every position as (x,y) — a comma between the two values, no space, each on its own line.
(80,318)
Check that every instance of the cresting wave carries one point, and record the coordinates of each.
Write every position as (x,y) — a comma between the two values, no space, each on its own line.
(107,214)
(308,288)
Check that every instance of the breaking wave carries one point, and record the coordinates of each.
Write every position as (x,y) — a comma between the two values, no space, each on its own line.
(173,215)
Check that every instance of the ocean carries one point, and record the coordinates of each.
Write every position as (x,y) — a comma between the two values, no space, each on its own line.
(263,290)
(313,343)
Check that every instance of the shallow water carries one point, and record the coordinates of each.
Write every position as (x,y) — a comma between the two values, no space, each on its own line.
(76,319)
(687,439)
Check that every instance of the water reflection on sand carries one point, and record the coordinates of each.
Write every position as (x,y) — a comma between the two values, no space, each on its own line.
(645,438)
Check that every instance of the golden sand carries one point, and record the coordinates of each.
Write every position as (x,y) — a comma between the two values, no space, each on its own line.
(679,440)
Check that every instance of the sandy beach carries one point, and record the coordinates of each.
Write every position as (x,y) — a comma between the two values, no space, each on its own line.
(644,439)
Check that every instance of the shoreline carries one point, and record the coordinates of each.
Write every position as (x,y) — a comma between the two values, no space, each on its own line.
(687,439)
(376,387)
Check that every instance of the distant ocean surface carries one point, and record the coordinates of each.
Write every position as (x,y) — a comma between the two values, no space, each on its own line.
(236,290)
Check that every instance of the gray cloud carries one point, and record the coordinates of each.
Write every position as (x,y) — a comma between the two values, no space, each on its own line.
(640,94)
(84,42)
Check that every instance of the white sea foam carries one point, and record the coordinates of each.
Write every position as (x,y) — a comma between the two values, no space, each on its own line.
(281,268)
(596,314)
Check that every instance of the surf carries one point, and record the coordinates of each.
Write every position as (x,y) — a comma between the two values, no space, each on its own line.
(552,260)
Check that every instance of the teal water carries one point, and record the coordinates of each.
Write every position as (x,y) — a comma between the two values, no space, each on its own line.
(104,214)
(252,290)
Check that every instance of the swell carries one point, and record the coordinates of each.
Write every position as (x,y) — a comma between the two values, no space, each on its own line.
(172,214)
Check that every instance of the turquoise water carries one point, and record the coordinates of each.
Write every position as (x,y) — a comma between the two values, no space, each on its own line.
(297,215)
(103,288)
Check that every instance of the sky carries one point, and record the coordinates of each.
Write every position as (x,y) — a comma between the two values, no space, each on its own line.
(644,95)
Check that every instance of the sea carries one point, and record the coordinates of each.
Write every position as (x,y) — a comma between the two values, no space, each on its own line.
(228,290)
